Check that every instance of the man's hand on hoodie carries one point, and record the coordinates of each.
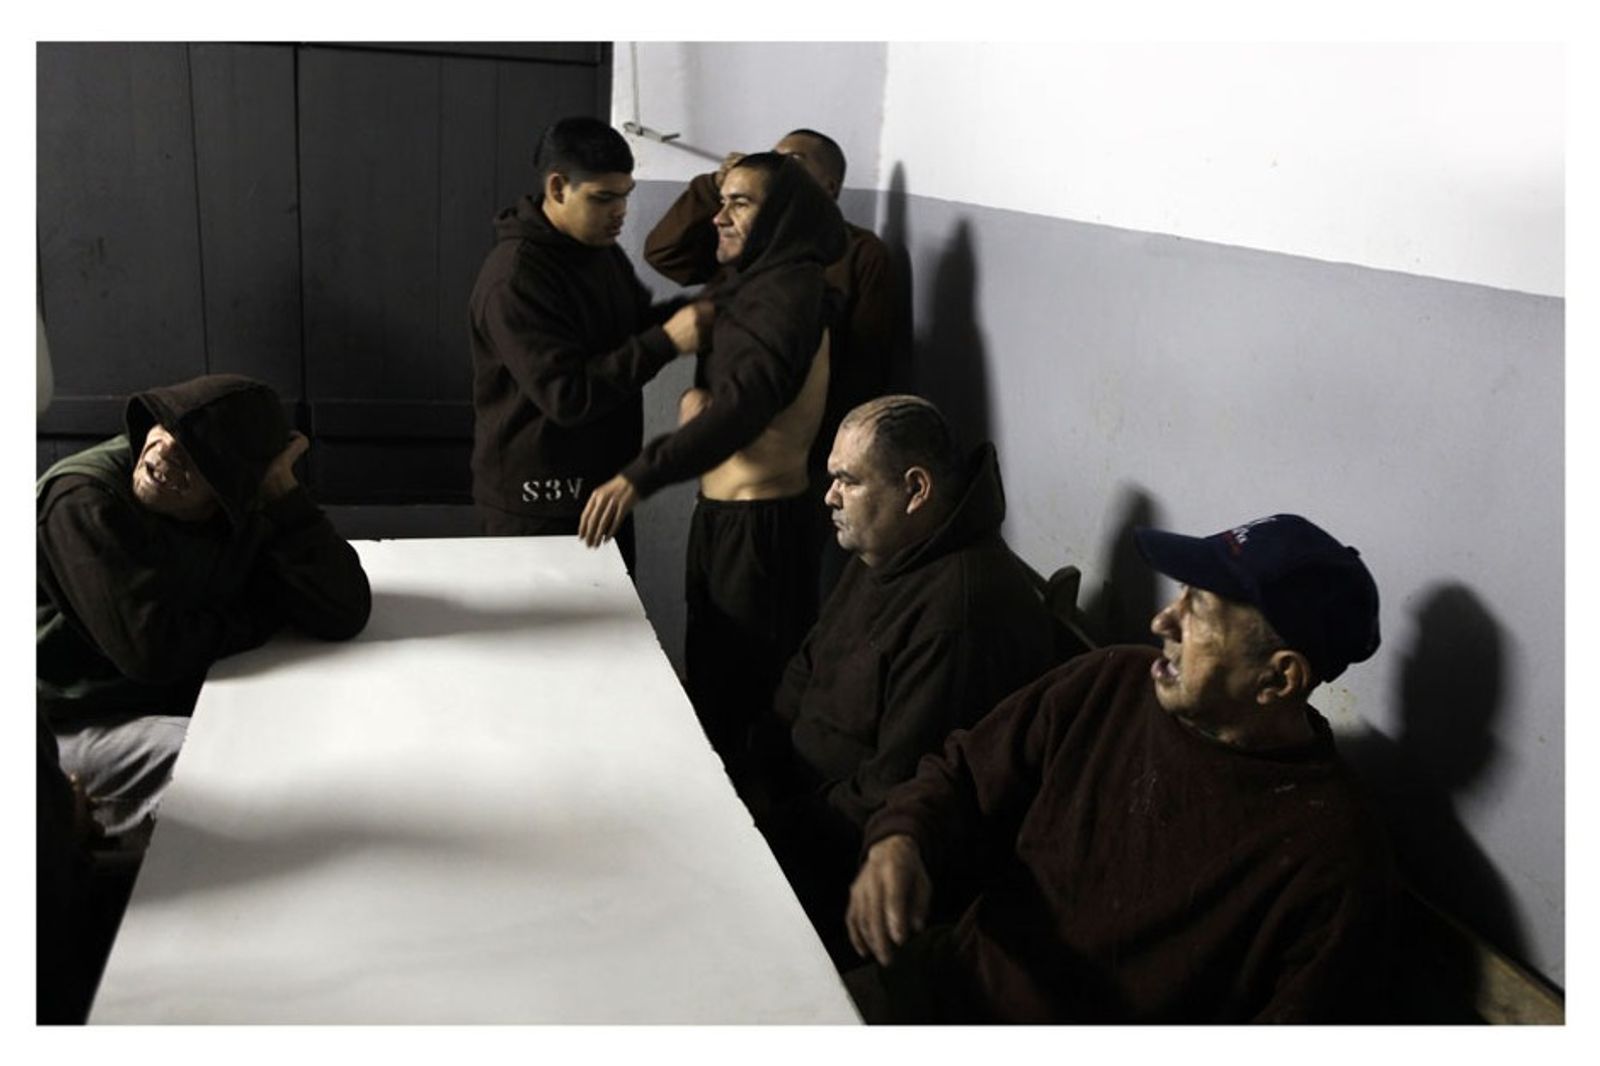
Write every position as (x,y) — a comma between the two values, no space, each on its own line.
(279,479)
(689,326)
(729,161)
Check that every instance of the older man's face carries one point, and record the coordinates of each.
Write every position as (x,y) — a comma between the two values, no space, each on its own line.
(1211,659)
(868,504)
(743,191)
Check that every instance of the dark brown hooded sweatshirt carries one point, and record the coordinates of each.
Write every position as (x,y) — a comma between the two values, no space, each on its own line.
(564,338)
(771,309)
(904,652)
(861,341)
(134,607)
(907,651)
(1139,870)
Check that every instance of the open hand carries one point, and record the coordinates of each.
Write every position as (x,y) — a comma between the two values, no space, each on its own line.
(890,898)
(607,506)
(279,478)
(689,326)
(729,161)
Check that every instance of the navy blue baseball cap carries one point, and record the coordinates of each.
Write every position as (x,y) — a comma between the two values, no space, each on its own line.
(1316,592)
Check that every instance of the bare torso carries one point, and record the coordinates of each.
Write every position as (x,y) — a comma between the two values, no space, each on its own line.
(773,465)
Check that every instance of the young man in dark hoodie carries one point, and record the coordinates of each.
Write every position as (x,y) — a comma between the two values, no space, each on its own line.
(1159,835)
(863,338)
(564,338)
(933,621)
(750,580)
(160,551)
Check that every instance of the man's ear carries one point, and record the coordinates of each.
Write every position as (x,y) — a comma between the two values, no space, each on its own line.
(555,187)
(1287,676)
(919,489)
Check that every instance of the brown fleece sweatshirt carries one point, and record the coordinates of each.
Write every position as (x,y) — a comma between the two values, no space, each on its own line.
(862,339)
(771,310)
(563,338)
(1146,872)
(134,607)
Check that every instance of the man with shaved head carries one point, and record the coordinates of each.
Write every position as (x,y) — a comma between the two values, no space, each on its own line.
(932,621)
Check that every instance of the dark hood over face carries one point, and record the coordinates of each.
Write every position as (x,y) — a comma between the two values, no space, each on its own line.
(231,426)
(798,221)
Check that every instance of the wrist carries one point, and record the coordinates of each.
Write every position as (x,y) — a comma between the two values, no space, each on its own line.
(276,488)
(899,846)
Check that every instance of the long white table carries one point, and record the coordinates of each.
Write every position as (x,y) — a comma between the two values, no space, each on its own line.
(495,805)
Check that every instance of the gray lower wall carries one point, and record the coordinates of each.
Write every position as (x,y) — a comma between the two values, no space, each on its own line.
(1129,378)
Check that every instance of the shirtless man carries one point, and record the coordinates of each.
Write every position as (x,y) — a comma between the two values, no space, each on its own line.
(745,431)
(773,465)
(863,336)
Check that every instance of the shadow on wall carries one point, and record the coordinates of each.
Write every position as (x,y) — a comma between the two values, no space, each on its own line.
(946,360)
(1451,686)
(1120,610)
(894,238)
(951,366)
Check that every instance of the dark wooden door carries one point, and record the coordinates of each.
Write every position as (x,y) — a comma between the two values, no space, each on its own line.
(312,215)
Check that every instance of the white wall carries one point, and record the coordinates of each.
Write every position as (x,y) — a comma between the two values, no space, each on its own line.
(1420,419)
(744,97)
(1441,160)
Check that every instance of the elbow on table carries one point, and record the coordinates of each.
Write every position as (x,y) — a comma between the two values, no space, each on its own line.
(342,620)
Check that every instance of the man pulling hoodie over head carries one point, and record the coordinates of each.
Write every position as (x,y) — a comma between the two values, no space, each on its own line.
(160,551)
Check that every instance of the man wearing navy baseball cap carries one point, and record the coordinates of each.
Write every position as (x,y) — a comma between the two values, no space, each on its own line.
(1159,835)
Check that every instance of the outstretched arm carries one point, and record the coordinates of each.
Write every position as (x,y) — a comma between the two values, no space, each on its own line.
(537,342)
(608,505)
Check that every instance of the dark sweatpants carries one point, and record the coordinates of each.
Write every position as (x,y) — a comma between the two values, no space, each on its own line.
(497,523)
(750,585)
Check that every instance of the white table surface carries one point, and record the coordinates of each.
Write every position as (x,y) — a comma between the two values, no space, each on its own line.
(495,805)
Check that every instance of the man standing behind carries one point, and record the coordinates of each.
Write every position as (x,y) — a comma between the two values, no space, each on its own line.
(933,621)
(1161,836)
(749,583)
(564,338)
(161,551)
(683,247)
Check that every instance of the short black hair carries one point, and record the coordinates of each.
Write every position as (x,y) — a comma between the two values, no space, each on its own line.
(910,431)
(580,148)
(767,163)
(829,154)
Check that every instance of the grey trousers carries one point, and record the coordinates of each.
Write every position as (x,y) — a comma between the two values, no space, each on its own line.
(122,764)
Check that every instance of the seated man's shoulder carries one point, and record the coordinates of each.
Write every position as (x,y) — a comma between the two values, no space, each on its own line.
(1340,805)
(992,577)
(78,491)
(1117,663)
(1109,679)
